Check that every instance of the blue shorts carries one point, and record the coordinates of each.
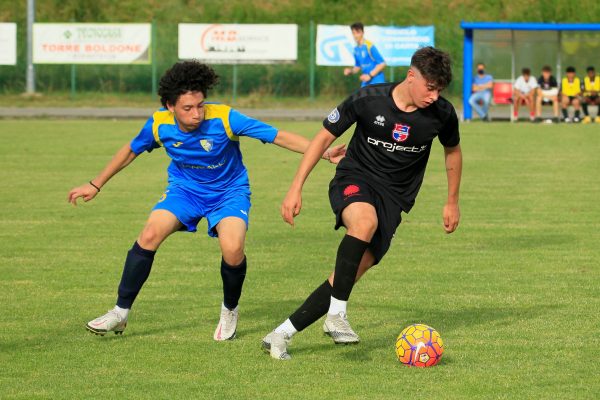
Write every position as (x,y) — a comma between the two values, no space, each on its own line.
(190,207)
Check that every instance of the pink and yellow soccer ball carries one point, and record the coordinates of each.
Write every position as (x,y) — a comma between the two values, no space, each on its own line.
(419,345)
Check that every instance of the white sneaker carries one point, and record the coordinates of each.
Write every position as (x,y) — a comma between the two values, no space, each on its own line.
(567,120)
(276,344)
(227,325)
(111,321)
(338,327)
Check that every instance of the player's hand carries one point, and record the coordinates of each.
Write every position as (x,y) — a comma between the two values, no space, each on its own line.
(291,206)
(451,217)
(87,192)
(347,71)
(336,153)
(365,77)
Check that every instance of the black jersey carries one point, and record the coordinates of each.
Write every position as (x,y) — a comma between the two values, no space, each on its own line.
(549,84)
(390,147)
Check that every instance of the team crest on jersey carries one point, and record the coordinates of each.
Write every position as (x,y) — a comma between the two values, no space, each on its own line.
(400,132)
(207,144)
(334,116)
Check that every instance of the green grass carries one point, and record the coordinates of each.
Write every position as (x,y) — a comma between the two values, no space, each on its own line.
(514,292)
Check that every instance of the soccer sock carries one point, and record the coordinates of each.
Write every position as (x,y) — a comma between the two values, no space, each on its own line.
(337,306)
(348,259)
(233,280)
(137,268)
(123,312)
(287,327)
(585,108)
(576,113)
(565,113)
(314,307)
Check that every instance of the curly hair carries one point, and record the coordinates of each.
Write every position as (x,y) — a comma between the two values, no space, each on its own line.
(183,77)
(434,65)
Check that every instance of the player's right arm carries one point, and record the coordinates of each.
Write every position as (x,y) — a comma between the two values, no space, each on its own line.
(88,191)
(144,141)
(292,204)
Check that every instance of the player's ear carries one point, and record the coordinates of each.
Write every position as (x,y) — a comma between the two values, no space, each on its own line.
(170,107)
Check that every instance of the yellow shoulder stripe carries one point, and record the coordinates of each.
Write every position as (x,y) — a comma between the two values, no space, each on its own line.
(220,111)
(160,118)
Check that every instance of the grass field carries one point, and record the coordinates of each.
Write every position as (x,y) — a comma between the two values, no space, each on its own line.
(515,292)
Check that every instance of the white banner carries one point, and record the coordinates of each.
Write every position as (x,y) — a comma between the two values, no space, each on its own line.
(239,43)
(8,43)
(335,44)
(91,43)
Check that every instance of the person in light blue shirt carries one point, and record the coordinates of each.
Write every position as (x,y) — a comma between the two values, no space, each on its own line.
(482,92)
(206,179)
(367,59)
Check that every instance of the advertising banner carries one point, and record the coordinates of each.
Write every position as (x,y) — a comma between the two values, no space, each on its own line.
(396,45)
(8,43)
(239,43)
(73,43)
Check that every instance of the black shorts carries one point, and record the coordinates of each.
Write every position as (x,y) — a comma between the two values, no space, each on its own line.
(344,191)
(591,99)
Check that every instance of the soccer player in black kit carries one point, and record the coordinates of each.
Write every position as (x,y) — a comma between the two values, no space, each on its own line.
(377,180)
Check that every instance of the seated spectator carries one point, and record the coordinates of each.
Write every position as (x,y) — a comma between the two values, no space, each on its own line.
(570,90)
(547,92)
(482,92)
(591,91)
(524,93)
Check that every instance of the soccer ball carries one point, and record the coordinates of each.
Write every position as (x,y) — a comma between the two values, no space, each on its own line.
(419,345)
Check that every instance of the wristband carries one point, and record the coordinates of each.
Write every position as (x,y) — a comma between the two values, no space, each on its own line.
(96,187)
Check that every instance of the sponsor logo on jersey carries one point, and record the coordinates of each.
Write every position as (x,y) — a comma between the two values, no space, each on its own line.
(379,120)
(351,190)
(177,144)
(207,144)
(400,132)
(392,147)
(334,116)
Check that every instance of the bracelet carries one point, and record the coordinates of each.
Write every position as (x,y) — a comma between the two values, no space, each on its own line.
(96,187)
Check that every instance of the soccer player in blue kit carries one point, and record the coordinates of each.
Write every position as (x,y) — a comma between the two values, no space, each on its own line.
(367,59)
(207,179)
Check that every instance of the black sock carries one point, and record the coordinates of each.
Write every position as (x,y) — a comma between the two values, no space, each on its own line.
(585,109)
(233,280)
(136,271)
(314,307)
(565,113)
(576,113)
(349,254)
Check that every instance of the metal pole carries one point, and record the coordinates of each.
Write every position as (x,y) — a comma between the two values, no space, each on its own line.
(467,72)
(234,88)
(73,80)
(512,68)
(312,66)
(30,78)
(559,58)
(154,57)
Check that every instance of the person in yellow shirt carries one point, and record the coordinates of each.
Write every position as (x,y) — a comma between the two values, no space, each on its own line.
(570,90)
(591,94)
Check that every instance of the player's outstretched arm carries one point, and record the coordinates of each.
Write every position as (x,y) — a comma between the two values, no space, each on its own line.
(88,191)
(451,211)
(292,203)
(299,144)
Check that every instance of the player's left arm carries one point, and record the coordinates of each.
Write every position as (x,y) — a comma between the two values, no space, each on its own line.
(451,213)
(299,144)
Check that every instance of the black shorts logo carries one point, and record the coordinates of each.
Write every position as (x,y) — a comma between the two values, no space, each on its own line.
(351,190)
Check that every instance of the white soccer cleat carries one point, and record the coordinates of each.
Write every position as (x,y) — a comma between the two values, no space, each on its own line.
(338,327)
(276,344)
(111,321)
(227,326)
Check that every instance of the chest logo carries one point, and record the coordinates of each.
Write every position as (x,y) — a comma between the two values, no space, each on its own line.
(400,132)
(177,144)
(379,120)
(207,144)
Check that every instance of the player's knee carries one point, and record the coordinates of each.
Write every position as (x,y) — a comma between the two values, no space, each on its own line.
(363,228)
(233,253)
(150,238)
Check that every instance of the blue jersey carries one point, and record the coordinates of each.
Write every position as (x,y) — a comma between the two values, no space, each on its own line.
(208,160)
(367,57)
